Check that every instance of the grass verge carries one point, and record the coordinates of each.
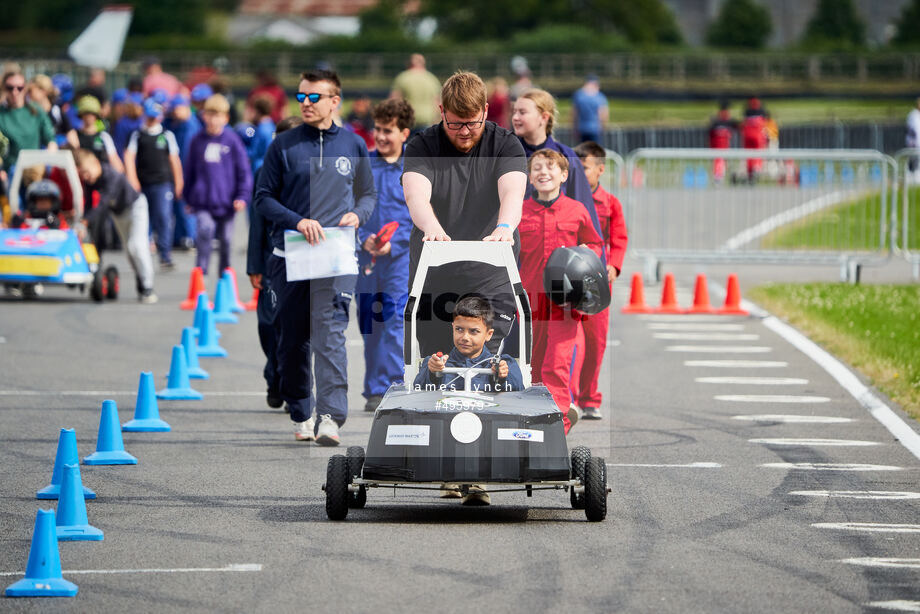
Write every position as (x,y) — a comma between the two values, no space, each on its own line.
(875,329)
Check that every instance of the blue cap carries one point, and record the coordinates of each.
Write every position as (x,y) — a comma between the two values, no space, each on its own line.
(64,85)
(120,95)
(160,96)
(179,100)
(152,108)
(201,92)
(136,97)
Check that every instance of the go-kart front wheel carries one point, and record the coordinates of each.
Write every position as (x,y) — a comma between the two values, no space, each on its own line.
(111,282)
(337,480)
(98,287)
(596,489)
(580,456)
(356,499)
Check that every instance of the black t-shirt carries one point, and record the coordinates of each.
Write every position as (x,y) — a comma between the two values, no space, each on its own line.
(464,186)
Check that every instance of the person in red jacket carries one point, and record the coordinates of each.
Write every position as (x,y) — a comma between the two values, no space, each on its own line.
(550,220)
(613,226)
(722,128)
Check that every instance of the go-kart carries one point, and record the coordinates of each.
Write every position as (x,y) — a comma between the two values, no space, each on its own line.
(506,441)
(35,256)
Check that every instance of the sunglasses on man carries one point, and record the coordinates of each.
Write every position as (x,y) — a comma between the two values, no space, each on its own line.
(15,88)
(313,98)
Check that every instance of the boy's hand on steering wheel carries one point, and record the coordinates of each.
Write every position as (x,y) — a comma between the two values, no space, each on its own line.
(501,370)
(437,362)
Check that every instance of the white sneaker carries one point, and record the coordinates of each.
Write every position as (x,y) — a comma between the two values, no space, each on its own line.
(328,432)
(303,431)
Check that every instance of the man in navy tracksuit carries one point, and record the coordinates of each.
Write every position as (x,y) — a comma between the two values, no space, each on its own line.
(313,176)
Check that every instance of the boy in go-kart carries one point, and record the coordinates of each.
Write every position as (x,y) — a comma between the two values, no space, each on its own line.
(472,327)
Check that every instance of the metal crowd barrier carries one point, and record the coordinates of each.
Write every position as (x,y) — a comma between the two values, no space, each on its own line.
(802,207)
(908,208)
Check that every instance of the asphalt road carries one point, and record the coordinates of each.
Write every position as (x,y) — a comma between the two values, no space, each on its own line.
(225,512)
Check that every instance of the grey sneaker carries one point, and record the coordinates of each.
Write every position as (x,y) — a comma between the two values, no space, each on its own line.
(573,415)
(303,431)
(477,496)
(147,296)
(591,413)
(372,402)
(327,434)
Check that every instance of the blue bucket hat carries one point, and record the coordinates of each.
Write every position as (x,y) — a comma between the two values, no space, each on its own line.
(136,97)
(120,95)
(201,92)
(64,85)
(160,96)
(152,108)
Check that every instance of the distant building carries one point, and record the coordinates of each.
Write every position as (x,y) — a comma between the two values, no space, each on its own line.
(790,17)
(295,21)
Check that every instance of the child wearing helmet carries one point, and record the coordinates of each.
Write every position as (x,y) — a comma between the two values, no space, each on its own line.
(550,220)
(43,207)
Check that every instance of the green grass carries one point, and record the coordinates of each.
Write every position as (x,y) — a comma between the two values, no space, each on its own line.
(853,225)
(876,329)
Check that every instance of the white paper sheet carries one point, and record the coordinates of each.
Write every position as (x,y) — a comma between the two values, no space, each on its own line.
(331,257)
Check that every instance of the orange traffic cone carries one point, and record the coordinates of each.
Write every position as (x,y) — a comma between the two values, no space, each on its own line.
(701,297)
(253,303)
(669,297)
(195,287)
(636,297)
(732,304)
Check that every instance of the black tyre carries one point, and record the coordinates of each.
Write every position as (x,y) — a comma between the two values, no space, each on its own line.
(357,499)
(111,282)
(98,288)
(337,480)
(596,489)
(580,456)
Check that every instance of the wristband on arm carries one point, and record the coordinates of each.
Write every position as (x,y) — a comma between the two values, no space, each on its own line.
(503,225)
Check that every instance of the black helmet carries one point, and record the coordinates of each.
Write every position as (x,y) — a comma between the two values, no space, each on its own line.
(44,188)
(575,277)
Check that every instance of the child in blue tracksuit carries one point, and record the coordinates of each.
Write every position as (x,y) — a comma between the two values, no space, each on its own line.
(383,270)
(472,327)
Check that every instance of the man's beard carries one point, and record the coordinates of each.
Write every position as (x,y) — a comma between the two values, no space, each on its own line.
(471,143)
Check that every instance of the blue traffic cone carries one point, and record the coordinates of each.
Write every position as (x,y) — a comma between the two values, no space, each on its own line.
(110,448)
(191,354)
(207,341)
(201,307)
(146,411)
(66,455)
(223,303)
(178,387)
(43,571)
(72,524)
(235,305)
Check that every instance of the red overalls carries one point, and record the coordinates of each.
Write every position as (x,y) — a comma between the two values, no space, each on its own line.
(565,223)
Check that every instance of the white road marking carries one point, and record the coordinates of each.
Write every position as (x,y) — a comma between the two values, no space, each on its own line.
(793,419)
(789,215)
(704,336)
(870,561)
(831,467)
(232,567)
(897,605)
(677,466)
(879,495)
(869,527)
(815,442)
(755,381)
(737,364)
(770,398)
(720,349)
(112,393)
(908,437)
(693,326)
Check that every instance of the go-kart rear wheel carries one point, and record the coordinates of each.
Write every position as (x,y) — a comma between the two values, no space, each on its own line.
(337,480)
(98,288)
(355,456)
(580,456)
(596,489)
(111,283)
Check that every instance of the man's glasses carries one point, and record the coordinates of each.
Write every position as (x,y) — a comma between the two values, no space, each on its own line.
(15,88)
(313,98)
(459,125)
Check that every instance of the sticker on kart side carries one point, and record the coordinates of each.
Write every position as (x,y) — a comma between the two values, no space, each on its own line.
(407,435)
(520,435)
(463,404)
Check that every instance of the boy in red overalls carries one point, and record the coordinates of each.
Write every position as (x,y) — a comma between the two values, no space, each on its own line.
(613,225)
(550,220)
